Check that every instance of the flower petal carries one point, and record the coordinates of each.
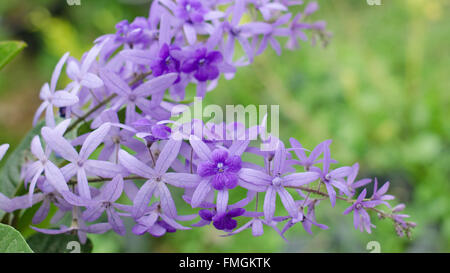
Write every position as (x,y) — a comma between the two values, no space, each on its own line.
(143,198)
(182,180)
(299,179)
(133,165)
(269,203)
(168,154)
(200,193)
(167,203)
(200,148)
(59,144)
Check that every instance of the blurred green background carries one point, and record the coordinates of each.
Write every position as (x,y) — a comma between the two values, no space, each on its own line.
(380,90)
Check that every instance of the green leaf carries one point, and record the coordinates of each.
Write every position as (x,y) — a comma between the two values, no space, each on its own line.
(11,241)
(61,243)
(10,173)
(84,128)
(8,50)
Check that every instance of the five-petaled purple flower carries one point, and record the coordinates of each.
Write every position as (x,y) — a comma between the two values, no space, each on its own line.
(203,64)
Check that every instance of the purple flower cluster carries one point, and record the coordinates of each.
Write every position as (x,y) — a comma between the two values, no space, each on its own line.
(130,160)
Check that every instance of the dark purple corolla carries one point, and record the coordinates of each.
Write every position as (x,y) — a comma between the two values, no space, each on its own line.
(223,221)
(203,64)
(167,61)
(221,170)
(218,170)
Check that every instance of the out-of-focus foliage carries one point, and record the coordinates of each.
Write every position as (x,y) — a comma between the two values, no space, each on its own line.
(380,90)
(8,50)
(62,243)
(11,241)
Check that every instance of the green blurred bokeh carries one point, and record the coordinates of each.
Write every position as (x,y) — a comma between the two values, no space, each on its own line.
(380,90)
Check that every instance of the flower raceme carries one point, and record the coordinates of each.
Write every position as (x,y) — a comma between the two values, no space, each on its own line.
(114,151)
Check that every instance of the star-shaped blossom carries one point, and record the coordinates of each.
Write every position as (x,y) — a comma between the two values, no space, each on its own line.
(242,33)
(193,15)
(312,159)
(307,220)
(351,184)
(379,194)
(117,136)
(361,218)
(297,27)
(138,96)
(218,170)
(157,179)
(157,223)
(268,7)
(105,201)
(80,164)
(49,196)
(270,38)
(204,64)
(43,164)
(167,62)
(274,184)
(52,98)
(334,178)
(80,74)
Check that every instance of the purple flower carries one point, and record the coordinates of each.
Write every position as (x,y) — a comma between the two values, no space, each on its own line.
(49,196)
(334,178)
(138,96)
(311,160)
(116,137)
(167,62)
(80,164)
(351,184)
(297,27)
(52,98)
(152,131)
(139,31)
(118,94)
(361,218)
(191,11)
(307,220)
(380,194)
(105,201)
(157,179)
(157,223)
(80,74)
(223,221)
(43,164)
(192,14)
(219,171)
(269,38)
(274,182)
(268,7)
(203,64)
(222,169)
(241,33)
